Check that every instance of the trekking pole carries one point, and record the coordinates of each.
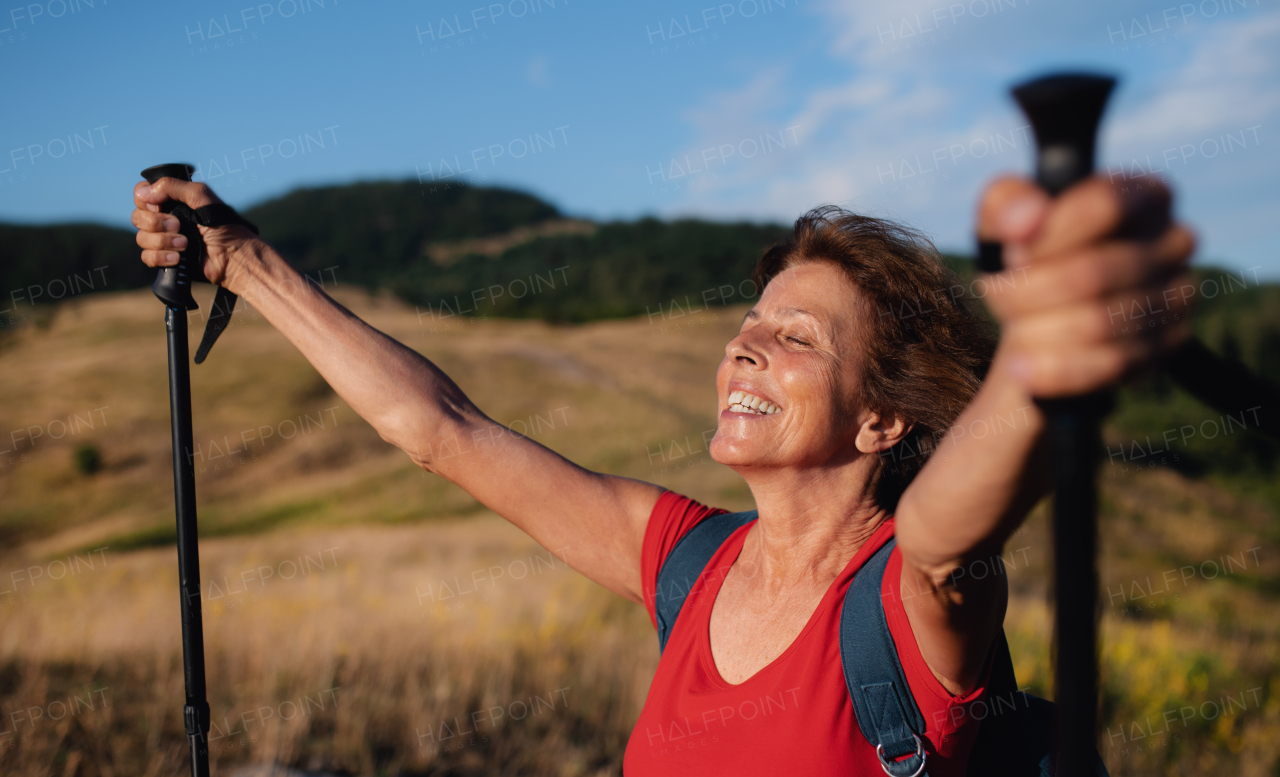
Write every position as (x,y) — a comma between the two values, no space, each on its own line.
(1064,111)
(173,287)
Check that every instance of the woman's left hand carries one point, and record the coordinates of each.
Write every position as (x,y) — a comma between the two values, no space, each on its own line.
(1095,285)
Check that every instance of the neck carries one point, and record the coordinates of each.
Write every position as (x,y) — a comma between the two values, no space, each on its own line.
(812,521)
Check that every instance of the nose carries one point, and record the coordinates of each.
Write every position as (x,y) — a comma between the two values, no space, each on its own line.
(743,351)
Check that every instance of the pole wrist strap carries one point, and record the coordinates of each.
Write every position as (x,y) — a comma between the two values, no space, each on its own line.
(218,214)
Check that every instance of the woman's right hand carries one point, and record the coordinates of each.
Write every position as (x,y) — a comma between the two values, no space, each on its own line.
(158,232)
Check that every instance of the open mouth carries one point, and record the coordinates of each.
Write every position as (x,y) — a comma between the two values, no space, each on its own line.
(742,402)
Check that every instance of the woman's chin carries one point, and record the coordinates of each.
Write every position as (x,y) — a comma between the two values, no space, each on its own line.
(736,450)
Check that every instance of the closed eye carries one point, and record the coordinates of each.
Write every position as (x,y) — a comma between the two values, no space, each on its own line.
(796,340)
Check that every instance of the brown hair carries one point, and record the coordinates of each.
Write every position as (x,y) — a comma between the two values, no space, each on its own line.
(927,352)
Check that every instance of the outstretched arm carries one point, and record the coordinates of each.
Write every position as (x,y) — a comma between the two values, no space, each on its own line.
(1068,273)
(597,520)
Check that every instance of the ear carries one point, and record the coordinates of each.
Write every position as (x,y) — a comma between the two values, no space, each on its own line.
(880,434)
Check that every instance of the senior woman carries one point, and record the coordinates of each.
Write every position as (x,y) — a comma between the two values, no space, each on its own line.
(850,402)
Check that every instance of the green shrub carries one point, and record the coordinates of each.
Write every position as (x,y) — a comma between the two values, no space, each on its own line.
(87,458)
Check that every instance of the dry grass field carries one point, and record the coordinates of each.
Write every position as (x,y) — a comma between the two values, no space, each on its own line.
(365,618)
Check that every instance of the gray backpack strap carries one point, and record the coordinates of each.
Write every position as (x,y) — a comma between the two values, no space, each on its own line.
(685,564)
(885,710)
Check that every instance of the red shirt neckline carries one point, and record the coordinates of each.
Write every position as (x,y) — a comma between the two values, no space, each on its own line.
(794,715)
(733,548)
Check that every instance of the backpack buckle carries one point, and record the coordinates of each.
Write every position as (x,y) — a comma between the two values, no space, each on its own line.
(885,763)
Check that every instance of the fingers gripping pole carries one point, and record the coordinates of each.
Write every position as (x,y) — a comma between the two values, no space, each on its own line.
(173,284)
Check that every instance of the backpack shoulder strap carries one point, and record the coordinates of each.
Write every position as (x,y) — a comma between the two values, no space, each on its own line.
(1016,736)
(885,710)
(685,564)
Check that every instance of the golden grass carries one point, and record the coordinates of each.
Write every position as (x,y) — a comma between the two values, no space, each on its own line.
(355,662)
(331,641)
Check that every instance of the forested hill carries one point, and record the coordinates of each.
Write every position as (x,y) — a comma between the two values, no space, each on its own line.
(469,251)
(372,230)
(500,252)
(375,232)
(429,247)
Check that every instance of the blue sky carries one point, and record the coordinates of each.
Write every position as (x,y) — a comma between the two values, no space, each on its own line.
(754,109)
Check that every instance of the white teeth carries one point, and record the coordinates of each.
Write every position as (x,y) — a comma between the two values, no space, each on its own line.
(742,402)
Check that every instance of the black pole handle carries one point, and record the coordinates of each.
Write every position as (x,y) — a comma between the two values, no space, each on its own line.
(1064,111)
(173,284)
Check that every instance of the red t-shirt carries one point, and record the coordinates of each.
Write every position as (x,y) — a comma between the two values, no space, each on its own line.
(794,716)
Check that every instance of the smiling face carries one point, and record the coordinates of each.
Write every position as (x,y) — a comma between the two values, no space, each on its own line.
(788,385)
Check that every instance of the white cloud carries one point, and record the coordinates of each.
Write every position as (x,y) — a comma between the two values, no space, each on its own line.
(908,115)
(1230,82)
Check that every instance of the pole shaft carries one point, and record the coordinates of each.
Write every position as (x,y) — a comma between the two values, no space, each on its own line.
(1064,111)
(1074,439)
(196,711)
